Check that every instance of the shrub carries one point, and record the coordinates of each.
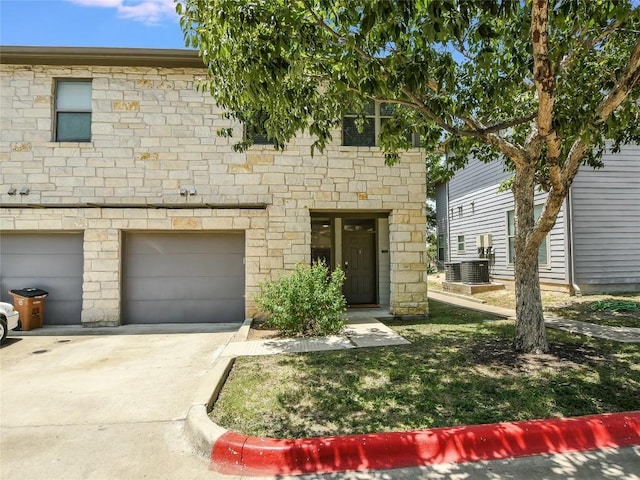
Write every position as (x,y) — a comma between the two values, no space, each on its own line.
(308,301)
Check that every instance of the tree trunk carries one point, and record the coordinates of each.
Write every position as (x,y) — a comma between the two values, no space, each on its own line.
(530,330)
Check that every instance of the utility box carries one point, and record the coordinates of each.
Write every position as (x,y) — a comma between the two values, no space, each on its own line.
(29,302)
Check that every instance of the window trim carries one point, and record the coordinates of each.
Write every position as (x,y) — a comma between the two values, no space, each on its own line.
(546,242)
(377,127)
(262,140)
(56,110)
(461,242)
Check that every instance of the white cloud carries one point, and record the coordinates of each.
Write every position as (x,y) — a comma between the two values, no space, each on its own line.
(146,11)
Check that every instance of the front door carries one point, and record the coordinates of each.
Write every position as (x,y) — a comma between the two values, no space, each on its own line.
(359,261)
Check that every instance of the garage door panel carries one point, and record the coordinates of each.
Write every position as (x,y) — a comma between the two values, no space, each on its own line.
(183,277)
(186,265)
(183,288)
(49,265)
(171,243)
(164,311)
(50,261)
(33,243)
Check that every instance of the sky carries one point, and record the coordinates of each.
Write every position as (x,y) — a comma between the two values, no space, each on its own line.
(90,23)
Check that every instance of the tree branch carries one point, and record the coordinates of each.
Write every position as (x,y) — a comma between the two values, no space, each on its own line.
(496,127)
(629,78)
(568,59)
(545,86)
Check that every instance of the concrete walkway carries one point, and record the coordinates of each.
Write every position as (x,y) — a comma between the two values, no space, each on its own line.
(362,330)
(616,334)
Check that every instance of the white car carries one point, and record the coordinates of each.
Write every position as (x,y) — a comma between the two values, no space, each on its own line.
(8,320)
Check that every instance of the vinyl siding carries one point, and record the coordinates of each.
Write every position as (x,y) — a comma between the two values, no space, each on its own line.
(476,176)
(606,223)
(485,211)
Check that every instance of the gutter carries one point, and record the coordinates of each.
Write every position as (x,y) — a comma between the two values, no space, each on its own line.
(101,56)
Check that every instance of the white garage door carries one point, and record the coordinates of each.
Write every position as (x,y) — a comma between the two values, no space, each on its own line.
(49,261)
(183,278)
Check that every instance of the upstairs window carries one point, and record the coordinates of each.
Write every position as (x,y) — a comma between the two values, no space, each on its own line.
(73,111)
(255,130)
(375,116)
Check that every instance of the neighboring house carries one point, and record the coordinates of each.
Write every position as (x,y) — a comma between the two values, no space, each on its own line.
(593,247)
(120,200)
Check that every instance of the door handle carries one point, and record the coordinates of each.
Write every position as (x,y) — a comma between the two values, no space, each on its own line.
(346,266)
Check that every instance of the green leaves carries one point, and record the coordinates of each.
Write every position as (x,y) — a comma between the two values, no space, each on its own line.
(456,66)
(308,301)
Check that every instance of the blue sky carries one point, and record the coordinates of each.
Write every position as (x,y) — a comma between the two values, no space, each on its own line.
(90,23)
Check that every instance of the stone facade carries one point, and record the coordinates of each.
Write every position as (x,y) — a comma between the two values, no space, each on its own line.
(153,135)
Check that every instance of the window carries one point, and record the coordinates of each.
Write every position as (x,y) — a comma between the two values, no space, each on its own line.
(442,245)
(73,111)
(255,130)
(543,251)
(375,116)
(322,240)
(460,243)
(257,134)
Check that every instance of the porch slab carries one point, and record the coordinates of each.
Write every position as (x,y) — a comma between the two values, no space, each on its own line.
(369,332)
(471,288)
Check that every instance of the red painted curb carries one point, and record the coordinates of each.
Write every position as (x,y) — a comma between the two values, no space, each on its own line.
(234,453)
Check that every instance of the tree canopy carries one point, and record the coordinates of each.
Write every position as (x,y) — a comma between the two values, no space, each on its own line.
(462,73)
(543,86)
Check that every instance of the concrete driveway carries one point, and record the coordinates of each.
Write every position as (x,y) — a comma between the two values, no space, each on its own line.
(102,406)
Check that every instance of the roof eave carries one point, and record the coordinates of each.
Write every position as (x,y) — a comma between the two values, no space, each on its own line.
(102,56)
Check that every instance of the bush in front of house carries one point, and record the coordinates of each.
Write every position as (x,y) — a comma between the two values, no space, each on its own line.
(308,301)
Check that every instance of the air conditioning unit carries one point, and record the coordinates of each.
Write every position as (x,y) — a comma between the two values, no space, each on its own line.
(452,271)
(474,271)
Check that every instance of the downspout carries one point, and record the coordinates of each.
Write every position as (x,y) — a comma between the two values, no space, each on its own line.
(448,259)
(575,289)
(446,190)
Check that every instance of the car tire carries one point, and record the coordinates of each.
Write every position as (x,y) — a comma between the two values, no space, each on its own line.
(3,329)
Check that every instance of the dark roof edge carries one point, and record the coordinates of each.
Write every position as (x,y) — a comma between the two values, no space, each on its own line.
(102,56)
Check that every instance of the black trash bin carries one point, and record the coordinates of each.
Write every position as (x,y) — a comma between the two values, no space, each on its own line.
(29,302)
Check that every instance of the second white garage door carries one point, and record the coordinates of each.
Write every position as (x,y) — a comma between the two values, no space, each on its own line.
(183,278)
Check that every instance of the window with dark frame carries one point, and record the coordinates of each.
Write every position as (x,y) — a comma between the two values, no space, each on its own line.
(73,111)
(374,116)
(254,129)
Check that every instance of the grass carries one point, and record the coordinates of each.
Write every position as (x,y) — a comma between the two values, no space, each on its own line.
(459,369)
(622,310)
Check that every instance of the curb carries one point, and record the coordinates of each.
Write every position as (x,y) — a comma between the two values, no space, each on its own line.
(239,454)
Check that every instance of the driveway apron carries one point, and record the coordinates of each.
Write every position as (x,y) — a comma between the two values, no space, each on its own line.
(98,407)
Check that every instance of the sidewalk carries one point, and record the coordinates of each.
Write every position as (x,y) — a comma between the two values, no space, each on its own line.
(616,334)
(360,332)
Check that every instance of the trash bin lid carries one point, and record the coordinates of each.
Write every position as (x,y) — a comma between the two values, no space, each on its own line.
(29,292)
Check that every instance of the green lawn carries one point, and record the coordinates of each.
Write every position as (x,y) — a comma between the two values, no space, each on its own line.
(459,369)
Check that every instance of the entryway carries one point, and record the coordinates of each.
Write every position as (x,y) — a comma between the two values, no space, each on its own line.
(359,261)
(359,244)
